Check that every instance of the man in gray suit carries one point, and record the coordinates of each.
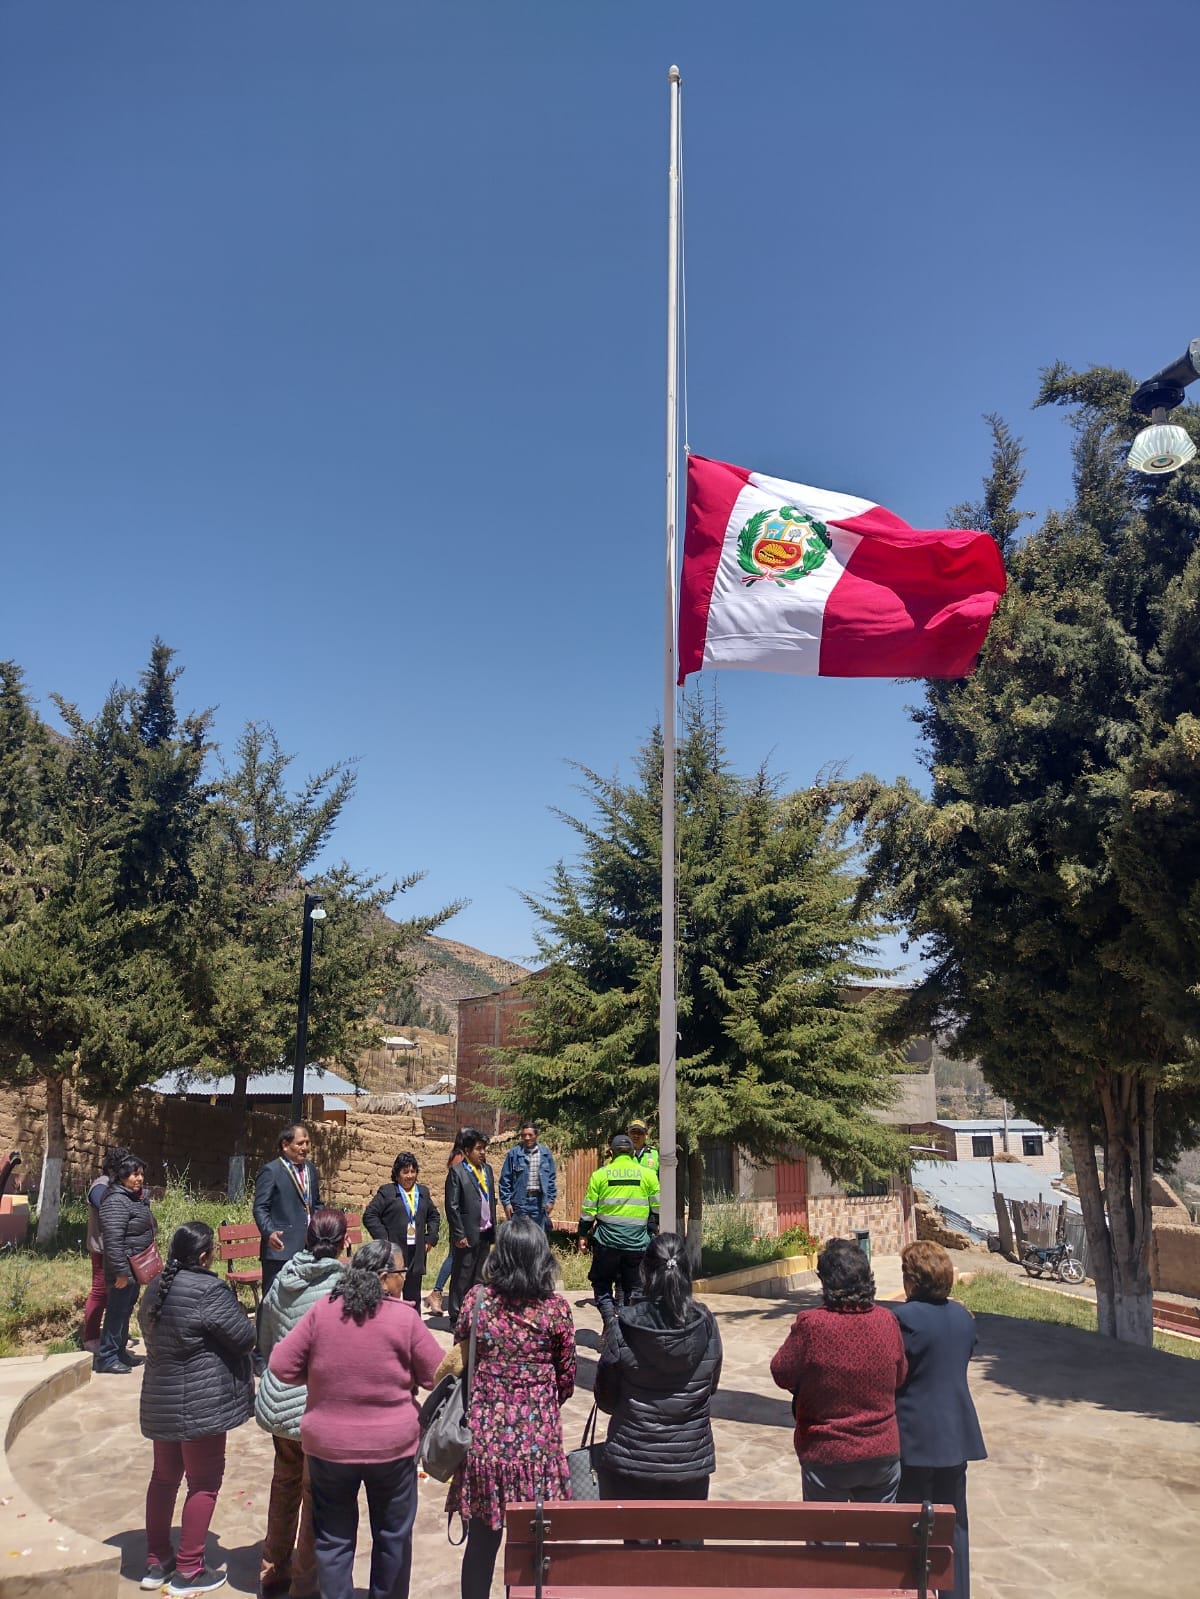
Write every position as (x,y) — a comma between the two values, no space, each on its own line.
(286,1192)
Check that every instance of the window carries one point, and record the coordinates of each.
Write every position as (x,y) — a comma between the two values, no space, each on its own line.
(982,1145)
(718,1168)
(1031,1144)
(869,1188)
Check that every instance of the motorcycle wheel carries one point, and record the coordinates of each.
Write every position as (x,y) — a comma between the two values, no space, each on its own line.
(1031,1271)
(1071,1271)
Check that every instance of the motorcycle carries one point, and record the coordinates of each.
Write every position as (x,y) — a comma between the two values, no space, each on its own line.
(1059,1260)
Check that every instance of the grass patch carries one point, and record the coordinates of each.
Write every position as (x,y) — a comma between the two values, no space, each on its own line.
(731,1244)
(990,1293)
(43,1289)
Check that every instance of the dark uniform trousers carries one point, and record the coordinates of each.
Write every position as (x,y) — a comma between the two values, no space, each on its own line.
(619,1267)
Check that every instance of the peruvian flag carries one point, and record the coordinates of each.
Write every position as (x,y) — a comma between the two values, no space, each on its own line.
(780,577)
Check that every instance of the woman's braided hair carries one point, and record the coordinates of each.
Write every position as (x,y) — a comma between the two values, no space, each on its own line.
(189,1244)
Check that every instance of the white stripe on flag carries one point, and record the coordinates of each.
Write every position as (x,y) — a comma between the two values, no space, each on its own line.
(749,623)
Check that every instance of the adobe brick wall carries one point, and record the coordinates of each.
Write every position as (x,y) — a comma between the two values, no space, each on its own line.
(1175,1258)
(174,1136)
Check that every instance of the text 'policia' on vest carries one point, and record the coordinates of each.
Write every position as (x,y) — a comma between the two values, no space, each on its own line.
(621,1204)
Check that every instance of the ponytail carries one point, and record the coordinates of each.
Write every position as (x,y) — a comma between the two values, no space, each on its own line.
(667,1277)
(189,1244)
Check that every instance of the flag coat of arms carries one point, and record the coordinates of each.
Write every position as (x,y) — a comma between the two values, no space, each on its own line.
(782,577)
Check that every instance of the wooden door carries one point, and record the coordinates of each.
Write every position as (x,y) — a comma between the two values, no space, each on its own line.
(791,1194)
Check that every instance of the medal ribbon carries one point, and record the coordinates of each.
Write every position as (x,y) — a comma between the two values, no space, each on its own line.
(301,1184)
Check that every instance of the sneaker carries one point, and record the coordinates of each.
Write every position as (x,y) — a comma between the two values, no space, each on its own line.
(157,1575)
(433,1302)
(112,1371)
(202,1581)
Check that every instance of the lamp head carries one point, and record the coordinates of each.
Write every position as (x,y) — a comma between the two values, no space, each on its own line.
(1161,448)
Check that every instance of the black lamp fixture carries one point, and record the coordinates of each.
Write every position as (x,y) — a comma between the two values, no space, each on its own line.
(1162,447)
(313,912)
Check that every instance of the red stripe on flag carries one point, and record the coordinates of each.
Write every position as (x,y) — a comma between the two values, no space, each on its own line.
(911,603)
(712,490)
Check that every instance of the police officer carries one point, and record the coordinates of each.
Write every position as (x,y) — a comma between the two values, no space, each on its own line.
(620,1213)
(642,1151)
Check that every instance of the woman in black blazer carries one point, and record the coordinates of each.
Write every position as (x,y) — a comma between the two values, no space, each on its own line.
(403,1211)
(939,1430)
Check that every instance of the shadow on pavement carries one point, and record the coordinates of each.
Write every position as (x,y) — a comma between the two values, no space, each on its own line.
(241,1561)
(1050,1365)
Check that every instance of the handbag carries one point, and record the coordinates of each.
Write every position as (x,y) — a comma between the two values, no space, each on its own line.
(445,1430)
(582,1462)
(147,1264)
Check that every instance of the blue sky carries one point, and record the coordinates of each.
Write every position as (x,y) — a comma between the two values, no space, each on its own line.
(333,342)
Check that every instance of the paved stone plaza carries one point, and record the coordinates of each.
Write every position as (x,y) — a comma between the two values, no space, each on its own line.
(1092,1490)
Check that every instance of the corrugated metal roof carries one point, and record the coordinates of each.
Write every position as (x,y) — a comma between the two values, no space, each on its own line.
(261,1085)
(993,1124)
(962,1190)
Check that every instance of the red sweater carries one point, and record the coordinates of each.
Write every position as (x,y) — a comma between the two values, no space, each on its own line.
(844,1367)
(361,1380)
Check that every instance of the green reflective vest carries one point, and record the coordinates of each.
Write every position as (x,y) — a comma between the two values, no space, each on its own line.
(647,1157)
(621,1198)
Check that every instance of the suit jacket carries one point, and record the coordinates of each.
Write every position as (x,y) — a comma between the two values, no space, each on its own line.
(387,1217)
(464,1202)
(278,1207)
(938,1424)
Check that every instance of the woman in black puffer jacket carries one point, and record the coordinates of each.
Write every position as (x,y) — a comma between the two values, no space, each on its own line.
(658,1370)
(198,1384)
(127,1226)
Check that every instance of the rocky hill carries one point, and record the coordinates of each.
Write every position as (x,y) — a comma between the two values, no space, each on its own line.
(454,971)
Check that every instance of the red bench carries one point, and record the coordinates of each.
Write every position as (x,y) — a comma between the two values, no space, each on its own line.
(1172,1317)
(243,1241)
(579,1551)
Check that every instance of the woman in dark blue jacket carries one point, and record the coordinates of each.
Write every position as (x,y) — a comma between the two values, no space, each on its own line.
(939,1430)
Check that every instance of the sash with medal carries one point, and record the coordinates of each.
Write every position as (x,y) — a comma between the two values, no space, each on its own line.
(302,1184)
(485,1206)
(410,1201)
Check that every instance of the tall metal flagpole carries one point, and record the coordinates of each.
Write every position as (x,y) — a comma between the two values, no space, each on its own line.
(667,1021)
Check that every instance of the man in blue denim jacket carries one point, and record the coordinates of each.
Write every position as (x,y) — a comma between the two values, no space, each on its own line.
(528,1181)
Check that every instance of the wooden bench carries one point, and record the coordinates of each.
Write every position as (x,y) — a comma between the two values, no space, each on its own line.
(1172,1317)
(243,1241)
(771,1550)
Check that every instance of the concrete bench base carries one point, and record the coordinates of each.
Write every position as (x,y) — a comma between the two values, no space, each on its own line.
(40,1556)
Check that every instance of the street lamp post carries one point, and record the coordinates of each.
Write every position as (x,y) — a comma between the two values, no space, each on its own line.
(313,912)
(1164,447)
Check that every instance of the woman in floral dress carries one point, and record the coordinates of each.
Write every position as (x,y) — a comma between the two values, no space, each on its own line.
(524,1371)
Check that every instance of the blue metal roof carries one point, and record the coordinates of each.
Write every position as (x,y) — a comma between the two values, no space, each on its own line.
(962,1190)
(261,1085)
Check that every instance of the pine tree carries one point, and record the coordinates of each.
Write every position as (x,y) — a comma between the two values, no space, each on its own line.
(776,1047)
(260,855)
(97,887)
(1051,871)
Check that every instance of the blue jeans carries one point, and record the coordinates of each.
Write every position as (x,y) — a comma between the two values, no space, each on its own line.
(392,1506)
(533,1206)
(114,1334)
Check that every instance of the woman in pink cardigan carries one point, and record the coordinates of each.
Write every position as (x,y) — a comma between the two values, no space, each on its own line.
(362,1353)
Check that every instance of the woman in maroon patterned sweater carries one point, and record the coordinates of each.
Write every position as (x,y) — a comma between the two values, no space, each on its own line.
(843,1364)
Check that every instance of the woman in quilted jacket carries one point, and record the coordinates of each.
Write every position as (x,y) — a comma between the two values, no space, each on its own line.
(198,1385)
(127,1227)
(659,1368)
(289,1556)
